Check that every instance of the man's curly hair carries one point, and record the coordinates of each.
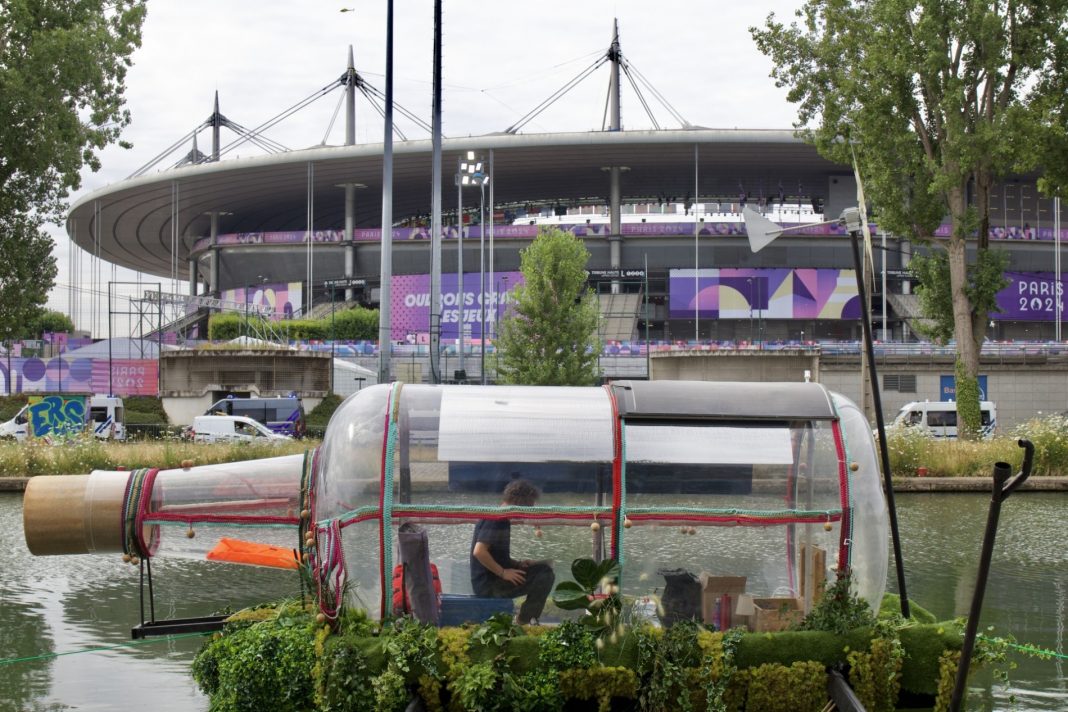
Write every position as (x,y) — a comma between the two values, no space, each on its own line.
(521,493)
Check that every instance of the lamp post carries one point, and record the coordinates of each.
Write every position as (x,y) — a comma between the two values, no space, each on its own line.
(472,172)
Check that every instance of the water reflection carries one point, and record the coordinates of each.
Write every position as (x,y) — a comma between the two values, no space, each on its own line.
(62,604)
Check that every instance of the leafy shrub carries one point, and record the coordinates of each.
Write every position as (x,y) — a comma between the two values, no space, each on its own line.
(321,414)
(1049,435)
(265,666)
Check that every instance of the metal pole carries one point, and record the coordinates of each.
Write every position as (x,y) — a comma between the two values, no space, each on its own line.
(460,375)
(880,423)
(886,336)
(1001,490)
(1058,292)
(482,281)
(696,260)
(386,272)
(492,278)
(648,358)
(435,207)
(111,369)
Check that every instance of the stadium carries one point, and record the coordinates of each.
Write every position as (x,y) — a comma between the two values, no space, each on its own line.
(659,211)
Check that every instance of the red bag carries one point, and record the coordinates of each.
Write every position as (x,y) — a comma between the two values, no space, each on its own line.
(400,596)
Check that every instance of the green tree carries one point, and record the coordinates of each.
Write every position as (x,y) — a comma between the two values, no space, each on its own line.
(937,99)
(63,67)
(549,335)
(51,321)
(29,270)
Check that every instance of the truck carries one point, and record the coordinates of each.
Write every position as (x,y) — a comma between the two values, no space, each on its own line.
(64,415)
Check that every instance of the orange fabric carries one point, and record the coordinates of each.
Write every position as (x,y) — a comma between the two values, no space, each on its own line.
(236,551)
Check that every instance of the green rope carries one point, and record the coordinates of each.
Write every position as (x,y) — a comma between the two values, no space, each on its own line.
(755,513)
(1035,650)
(49,656)
(387,496)
(250,525)
(477,509)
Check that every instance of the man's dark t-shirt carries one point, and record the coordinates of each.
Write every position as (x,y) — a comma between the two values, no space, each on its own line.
(496,534)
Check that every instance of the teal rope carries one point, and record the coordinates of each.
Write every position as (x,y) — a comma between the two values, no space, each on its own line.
(387,499)
(622,496)
(50,656)
(756,514)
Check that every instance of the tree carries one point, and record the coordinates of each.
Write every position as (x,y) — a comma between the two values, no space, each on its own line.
(62,78)
(28,272)
(936,99)
(549,335)
(52,322)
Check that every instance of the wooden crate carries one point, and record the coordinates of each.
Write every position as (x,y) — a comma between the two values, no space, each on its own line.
(772,614)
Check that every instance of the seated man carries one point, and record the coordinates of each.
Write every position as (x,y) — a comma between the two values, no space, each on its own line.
(495,574)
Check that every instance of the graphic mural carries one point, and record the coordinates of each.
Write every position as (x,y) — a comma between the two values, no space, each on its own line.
(285,297)
(410,302)
(55,416)
(128,377)
(763,293)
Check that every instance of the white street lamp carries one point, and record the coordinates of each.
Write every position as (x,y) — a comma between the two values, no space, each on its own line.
(470,173)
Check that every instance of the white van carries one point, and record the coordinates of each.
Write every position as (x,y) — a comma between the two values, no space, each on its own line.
(940,417)
(106,416)
(232,428)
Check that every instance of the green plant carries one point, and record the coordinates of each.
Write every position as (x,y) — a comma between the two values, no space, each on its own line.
(497,630)
(602,610)
(718,668)
(536,691)
(839,610)
(1049,435)
(265,665)
(663,658)
(568,645)
(473,688)
(876,675)
(599,683)
(800,687)
(342,678)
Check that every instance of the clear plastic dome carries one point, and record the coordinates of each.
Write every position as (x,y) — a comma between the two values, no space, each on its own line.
(773,484)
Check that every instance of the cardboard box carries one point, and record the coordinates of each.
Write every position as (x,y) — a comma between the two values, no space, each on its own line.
(772,614)
(713,590)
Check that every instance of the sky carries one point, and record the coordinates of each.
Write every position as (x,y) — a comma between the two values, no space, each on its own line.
(500,60)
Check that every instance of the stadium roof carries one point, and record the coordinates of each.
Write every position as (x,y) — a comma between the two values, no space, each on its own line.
(270,192)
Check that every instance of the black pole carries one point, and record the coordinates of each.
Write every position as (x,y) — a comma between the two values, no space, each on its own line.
(111,389)
(1000,493)
(880,423)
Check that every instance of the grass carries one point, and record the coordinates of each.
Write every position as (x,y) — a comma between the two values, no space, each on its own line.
(912,448)
(85,454)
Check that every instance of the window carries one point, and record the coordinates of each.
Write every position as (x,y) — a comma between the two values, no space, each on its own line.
(942,419)
(900,382)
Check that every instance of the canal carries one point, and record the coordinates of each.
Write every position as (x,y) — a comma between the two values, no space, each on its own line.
(62,605)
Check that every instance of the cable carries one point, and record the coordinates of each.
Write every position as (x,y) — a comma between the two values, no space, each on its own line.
(556,96)
(50,656)
(641,97)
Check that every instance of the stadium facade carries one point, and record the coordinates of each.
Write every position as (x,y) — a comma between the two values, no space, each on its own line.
(659,212)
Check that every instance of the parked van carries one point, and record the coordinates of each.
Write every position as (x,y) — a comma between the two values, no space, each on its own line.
(283,415)
(940,417)
(231,428)
(45,416)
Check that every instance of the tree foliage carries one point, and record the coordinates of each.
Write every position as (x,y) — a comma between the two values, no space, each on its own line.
(29,270)
(549,335)
(51,322)
(63,67)
(936,99)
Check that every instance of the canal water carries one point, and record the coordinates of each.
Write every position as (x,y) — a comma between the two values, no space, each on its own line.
(63,605)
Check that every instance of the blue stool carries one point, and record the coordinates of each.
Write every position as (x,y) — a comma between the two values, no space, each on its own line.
(457,609)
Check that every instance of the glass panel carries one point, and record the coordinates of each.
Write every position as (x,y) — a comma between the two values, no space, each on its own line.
(350,458)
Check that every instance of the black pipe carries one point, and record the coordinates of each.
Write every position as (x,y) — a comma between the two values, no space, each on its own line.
(1001,491)
(880,423)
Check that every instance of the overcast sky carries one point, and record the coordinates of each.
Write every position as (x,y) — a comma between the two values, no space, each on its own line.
(500,60)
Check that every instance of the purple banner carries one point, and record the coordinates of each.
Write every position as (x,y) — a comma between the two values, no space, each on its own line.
(1031,296)
(122,377)
(763,293)
(410,304)
(529,232)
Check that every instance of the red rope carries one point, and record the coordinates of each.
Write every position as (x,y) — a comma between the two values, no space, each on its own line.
(617,472)
(222,518)
(846,531)
(143,506)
